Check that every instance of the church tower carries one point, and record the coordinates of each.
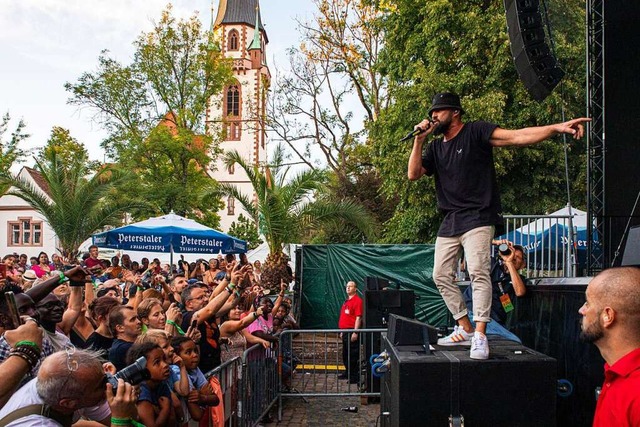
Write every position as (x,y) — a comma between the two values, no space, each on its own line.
(239,111)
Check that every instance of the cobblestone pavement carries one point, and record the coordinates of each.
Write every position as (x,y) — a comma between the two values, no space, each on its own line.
(325,411)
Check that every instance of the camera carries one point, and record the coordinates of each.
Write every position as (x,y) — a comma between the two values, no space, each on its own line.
(503,248)
(133,374)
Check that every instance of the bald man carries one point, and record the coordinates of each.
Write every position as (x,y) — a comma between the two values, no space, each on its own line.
(351,318)
(611,320)
(71,384)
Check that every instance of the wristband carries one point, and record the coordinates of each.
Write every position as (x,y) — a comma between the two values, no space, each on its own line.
(232,285)
(63,278)
(175,325)
(75,283)
(121,421)
(28,343)
(237,294)
(134,423)
(255,315)
(228,289)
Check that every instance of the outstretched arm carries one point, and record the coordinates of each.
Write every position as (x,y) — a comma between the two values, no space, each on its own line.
(533,135)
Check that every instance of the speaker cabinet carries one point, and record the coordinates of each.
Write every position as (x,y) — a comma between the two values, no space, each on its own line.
(378,307)
(632,249)
(403,332)
(515,387)
(537,67)
(375,283)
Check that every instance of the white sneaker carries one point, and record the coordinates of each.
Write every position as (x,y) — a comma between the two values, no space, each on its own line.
(479,347)
(458,337)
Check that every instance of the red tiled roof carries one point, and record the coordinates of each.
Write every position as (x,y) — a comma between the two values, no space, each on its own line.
(39,180)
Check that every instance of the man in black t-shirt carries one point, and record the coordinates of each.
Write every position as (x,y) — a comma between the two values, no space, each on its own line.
(467,191)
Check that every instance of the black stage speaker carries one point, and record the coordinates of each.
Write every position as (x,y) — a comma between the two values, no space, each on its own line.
(375,283)
(632,249)
(621,124)
(515,387)
(378,306)
(536,66)
(403,331)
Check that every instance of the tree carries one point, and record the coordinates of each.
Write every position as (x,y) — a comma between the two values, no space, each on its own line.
(78,200)
(154,110)
(322,106)
(246,230)
(10,152)
(285,210)
(333,79)
(463,47)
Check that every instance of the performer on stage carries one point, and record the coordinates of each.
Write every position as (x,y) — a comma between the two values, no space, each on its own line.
(611,320)
(462,163)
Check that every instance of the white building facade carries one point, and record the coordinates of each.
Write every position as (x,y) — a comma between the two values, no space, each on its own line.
(239,111)
(26,231)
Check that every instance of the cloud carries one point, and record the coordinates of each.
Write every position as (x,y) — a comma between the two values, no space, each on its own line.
(54,31)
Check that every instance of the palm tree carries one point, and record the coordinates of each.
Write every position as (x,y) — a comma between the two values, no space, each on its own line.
(285,209)
(76,203)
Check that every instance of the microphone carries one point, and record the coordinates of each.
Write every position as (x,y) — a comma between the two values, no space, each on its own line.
(416,132)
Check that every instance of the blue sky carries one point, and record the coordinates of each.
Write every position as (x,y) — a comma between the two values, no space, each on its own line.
(46,43)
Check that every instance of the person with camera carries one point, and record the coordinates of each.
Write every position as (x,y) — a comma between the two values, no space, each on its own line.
(467,192)
(506,284)
(70,385)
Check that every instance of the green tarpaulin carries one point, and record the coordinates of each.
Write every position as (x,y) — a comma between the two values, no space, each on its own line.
(327,268)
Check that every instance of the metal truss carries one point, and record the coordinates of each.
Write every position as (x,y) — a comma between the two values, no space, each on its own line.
(596,146)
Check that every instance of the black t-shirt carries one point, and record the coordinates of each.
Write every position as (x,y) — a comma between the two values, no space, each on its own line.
(118,353)
(465,178)
(99,343)
(209,343)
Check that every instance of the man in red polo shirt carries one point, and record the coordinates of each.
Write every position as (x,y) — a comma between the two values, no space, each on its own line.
(611,320)
(351,318)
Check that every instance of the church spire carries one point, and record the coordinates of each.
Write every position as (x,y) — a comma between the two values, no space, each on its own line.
(256,44)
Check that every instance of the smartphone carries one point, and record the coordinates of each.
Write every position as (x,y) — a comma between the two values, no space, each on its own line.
(3,271)
(194,323)
(13,309)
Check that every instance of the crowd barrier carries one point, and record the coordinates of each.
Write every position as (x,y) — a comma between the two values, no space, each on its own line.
(229,376)
(314,358)
(305,363)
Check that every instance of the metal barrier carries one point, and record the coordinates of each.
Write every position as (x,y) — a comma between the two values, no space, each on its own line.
(315,360)
(550,254)
(259,384)
(229,375)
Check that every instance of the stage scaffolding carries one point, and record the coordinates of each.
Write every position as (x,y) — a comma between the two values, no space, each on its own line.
(596,143)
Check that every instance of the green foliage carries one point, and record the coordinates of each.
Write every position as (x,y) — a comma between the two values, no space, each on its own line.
(10,152)
(445,45)
(154,110)
(284,209)
(77,202)
(246,230)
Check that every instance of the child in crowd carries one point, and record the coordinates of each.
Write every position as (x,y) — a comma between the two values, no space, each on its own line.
(200,392)
(178,380)
(154,403)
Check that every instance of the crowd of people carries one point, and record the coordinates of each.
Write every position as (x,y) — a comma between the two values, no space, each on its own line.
(76,334)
